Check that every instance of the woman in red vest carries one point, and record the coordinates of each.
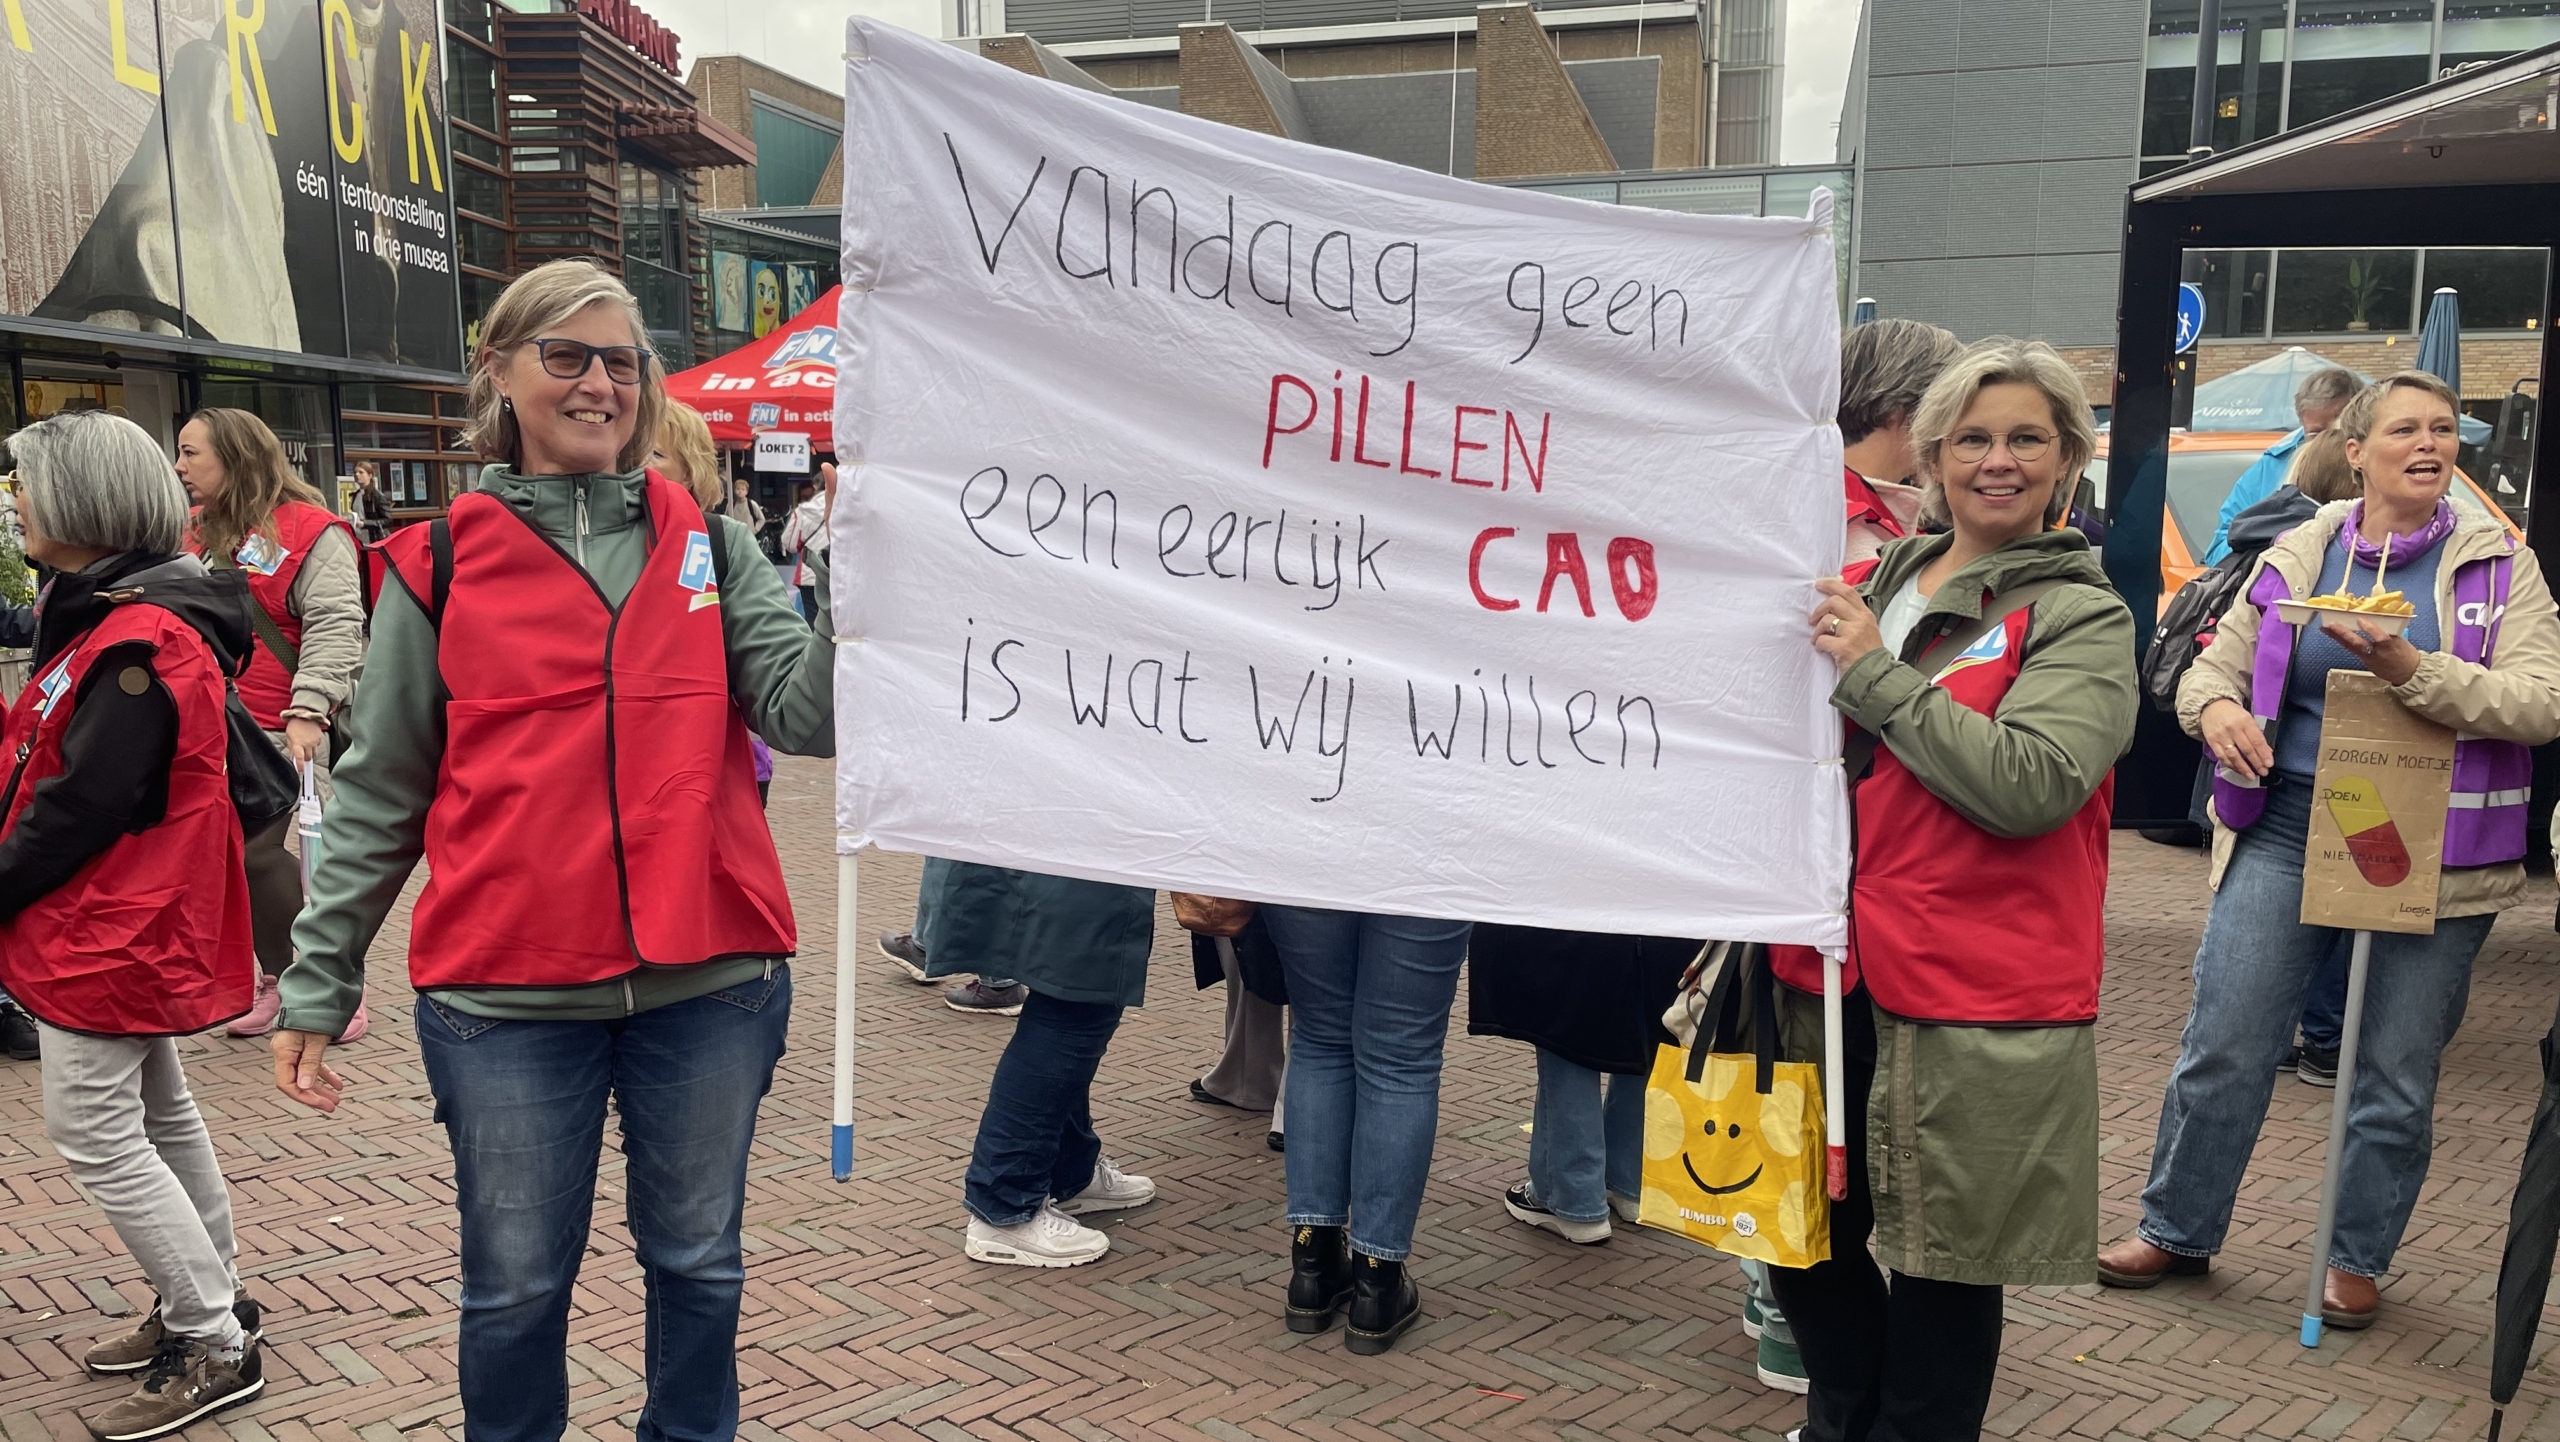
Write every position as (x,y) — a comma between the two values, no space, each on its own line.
(554,716)
(1991,667)
(254,515)
(124,921)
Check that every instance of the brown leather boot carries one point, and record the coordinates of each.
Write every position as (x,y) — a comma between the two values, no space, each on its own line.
(2135,1264)
(2348,1302)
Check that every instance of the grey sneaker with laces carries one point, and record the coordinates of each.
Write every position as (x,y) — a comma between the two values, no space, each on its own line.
(1111,1190)
(982,997)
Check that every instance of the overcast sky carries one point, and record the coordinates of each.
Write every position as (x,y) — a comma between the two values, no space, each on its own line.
(806,38)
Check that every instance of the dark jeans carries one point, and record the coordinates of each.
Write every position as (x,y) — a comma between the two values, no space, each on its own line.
(1036,1140)
(2324,1011)
(523,1103)
(1913,1364)
(813,610)
(275,894)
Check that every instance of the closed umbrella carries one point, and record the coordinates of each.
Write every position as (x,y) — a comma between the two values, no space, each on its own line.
(1864,312)
(2440,340)
(2533,1227)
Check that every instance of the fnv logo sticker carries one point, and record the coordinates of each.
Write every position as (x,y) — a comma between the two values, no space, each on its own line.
(696,575)
(1990,648)
(52,687)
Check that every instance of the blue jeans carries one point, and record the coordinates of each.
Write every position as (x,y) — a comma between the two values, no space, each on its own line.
(1583,1150)
(523,1103)
(2251,974)
(1036,1140)
(2324,1012)
(1369,1000)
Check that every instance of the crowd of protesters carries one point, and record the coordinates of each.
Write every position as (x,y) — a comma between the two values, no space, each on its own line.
(616,940)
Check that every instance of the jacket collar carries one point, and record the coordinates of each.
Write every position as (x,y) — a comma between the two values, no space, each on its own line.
(2298,555)
(2061,555)
(550,503)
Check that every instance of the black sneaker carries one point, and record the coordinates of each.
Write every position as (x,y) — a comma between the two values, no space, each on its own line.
(981,997)
(2292,1058)
(900,947)
(18,1033)
(2318,1067)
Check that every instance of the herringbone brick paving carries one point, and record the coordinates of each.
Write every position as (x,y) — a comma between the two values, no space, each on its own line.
(863,1320)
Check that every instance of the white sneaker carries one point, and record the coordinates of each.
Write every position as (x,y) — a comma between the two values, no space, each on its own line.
(1111,1190)
(1050,1239)
(1627,1208)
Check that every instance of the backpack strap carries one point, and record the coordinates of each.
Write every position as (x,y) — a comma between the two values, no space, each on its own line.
(439,569)
(270,634)
(1859,751)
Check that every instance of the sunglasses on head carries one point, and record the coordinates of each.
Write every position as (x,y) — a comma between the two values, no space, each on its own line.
(569,359)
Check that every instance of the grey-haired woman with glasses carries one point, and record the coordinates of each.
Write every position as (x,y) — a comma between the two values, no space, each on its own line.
(555,715)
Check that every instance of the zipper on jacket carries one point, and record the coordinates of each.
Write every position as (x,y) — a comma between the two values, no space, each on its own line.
(630,1003)
(580,535)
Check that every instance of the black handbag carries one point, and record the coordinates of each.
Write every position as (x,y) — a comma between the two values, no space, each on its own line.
(264,786)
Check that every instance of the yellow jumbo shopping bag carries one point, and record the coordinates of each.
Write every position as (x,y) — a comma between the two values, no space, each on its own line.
(1733,1149)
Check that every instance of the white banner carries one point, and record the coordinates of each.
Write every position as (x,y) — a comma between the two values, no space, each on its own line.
(783,451)
(1234,515)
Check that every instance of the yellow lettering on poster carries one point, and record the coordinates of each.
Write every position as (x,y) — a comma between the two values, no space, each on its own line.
(413,111)
(18,27)
(243,34)
(346,114)
(127,73)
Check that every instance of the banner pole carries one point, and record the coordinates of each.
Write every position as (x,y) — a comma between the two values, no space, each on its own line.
(2358,961)
(1835,1119)
(848,879)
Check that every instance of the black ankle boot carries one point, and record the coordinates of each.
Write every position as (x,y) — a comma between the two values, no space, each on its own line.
(1384,1302)
(1319,1276)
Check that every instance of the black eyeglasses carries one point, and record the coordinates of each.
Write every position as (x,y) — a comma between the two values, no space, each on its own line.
(569,359)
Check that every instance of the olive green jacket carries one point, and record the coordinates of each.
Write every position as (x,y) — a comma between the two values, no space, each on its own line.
(781,675)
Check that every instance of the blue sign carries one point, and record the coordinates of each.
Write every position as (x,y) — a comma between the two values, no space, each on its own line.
(2190,316)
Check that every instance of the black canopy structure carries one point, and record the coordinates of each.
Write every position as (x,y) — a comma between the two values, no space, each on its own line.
(2472,160)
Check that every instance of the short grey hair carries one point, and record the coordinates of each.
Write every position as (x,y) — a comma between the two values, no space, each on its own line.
(2001,360)
(99,481)
(2325,389)
(1885,367)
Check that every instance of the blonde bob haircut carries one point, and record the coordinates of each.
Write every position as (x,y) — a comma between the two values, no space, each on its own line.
(2001,360)
(539,299)
(2356,421)
(684,438)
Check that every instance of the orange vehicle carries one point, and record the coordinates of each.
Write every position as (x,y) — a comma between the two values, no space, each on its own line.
(2203,467)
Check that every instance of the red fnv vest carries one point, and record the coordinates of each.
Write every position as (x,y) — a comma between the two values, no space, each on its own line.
(596,808)
(266,687)
(1951,924)
(151,938)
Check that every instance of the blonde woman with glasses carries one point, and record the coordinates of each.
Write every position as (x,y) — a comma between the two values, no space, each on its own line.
(555,716)
(1987,676)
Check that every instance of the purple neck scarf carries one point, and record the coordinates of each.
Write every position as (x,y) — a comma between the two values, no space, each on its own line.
(2404,549)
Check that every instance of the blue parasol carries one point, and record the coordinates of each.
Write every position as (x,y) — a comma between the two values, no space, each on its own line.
(2260,397)
(2440,340)
(1864,312)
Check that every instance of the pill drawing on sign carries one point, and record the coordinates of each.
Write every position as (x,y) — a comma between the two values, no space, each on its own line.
(2381,858)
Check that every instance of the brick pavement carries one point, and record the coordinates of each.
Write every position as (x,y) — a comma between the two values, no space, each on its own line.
(863,1320)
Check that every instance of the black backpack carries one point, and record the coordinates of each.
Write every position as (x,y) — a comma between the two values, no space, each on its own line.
(2189,625)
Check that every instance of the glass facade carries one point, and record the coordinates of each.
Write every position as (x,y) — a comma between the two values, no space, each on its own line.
(2284,64)
(791,156)
(2299,294)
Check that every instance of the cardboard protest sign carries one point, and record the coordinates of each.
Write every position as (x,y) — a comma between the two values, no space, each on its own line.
(2377,811)
(1270,521)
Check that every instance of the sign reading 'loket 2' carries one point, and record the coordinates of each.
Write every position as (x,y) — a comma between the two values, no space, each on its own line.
(633,27)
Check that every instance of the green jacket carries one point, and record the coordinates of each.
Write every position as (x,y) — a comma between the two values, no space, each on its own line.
(2061,727)
(781,674)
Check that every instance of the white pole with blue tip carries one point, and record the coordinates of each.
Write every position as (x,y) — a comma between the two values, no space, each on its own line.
(848,880)
(2359,960)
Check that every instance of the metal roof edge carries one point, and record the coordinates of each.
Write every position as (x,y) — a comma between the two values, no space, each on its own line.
(2521,65)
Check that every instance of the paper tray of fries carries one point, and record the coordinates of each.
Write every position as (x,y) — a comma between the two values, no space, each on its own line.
(2345,610)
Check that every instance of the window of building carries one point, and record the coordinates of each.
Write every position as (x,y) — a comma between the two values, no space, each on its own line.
(2500,289)
(298,414)
(791,156)
(2330,291)
(2237,285)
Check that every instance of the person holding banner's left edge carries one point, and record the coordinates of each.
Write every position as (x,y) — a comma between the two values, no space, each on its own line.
(555,715)
(1988,672)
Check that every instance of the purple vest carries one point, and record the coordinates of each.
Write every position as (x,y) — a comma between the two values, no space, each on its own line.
(2492,780)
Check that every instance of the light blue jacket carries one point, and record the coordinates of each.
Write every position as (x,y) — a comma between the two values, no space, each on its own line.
(2255,484)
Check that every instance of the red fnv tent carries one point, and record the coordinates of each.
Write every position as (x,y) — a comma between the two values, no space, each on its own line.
(784,382)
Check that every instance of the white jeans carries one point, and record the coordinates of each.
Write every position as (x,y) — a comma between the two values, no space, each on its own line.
(118,1112)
